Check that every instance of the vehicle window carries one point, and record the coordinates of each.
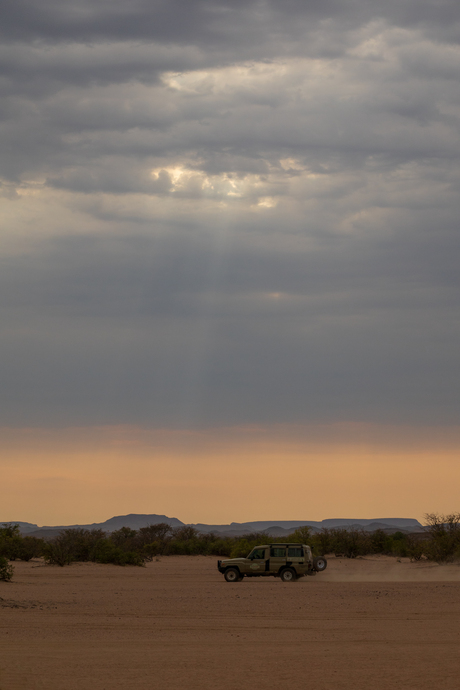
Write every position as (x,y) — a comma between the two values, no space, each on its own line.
(295,552)
(258,553)
(276,552)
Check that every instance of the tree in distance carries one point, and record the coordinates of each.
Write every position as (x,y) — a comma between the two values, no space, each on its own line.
(126,546)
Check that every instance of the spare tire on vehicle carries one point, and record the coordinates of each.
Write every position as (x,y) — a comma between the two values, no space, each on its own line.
(319,564)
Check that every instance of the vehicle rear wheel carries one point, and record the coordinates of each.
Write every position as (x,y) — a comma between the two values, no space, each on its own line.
(319,564)
(288,575)
(232,575)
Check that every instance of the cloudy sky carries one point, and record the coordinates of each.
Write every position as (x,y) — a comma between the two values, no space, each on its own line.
(229,283)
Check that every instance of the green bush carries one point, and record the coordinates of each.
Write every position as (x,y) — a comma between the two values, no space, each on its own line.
(108,552)
(10,540)
(58,551)
(322,542)
(130,547)
(400,547)
(6,570)
(13,546)
(152,550)
(74,545)
(302,535)
(125,538)
(219,547)
(415,548)
(381,542)
(94,545)
(159,535)
(30,547)
(241,549)
(350,542)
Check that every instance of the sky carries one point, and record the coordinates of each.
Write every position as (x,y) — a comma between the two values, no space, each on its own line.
(229,250)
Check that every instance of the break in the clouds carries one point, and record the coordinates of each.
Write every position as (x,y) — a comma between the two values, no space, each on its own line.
(229,212)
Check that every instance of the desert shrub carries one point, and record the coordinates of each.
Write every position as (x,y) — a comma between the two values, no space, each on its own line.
(108,552)
(152,550)
(125,538)
(159,535)
(185,533)
(302,535)
(30,547)
(187,541)
(88,543)
(159,532)
(415,548)
(443,536)
(241,549)
(9,530)
(350,542)
(216,545)
(219,547)
(178,547)
(58,552)
(14,546)
(242,546)
(73,545)
(438,525)
(10,540)
(399,536)
(79,544)
(6,570)
(380,542)
(188,547)
(441,548)
(400,544)
(322,542)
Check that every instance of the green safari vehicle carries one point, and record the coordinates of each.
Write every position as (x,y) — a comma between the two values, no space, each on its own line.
(286,561)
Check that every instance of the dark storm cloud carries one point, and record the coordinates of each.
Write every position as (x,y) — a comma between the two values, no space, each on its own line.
(143,330)
(38,71)
(207,22)
(91,134)
(229,212)
(70,100)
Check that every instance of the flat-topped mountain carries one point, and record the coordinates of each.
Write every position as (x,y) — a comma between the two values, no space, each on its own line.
(268,527)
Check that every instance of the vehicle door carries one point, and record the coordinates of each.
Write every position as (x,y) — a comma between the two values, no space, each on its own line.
(256,561)
(277,558)
(296,558)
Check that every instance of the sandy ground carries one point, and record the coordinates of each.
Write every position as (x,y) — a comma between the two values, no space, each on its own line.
(371,623)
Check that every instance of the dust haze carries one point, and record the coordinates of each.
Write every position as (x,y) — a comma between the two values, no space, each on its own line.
(385,569)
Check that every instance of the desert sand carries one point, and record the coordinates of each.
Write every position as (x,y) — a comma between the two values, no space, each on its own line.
(372,623)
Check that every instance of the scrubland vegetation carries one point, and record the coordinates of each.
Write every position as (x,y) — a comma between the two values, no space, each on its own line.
(440,542)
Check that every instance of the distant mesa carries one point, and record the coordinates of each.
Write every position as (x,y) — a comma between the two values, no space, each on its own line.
(268,527)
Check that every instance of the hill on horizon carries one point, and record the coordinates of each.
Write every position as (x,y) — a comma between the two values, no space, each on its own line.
(268,527)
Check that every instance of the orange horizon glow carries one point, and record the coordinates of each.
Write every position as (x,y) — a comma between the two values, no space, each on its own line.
(239,474)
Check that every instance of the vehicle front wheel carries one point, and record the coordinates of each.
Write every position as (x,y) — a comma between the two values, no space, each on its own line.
(232,575)
(288,575)
(319,564)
